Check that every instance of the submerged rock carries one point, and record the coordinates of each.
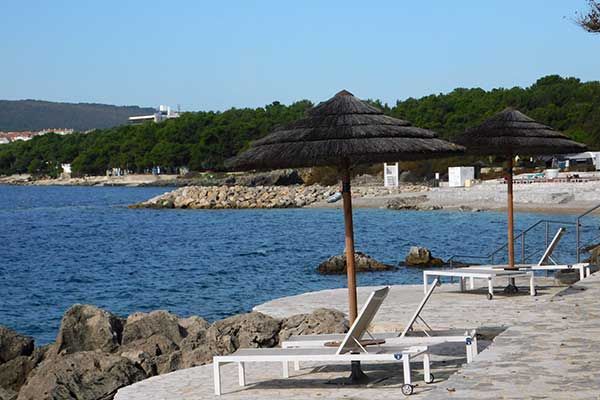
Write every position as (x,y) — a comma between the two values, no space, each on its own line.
(421,256)
(86,375)
(85,327)
(320,321)
(13,344)
(363,263)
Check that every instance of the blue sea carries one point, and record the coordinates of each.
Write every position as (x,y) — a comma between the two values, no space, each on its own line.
(66,245)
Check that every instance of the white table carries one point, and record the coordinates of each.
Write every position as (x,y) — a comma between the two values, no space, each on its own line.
(488,274)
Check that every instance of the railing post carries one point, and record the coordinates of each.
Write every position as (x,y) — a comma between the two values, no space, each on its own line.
(577,238)
(523,247)
(547,232)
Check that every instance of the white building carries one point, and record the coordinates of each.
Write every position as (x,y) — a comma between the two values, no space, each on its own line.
(163,113)
(587,157)
(458,176)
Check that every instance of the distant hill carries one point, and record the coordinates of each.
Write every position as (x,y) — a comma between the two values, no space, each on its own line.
(31,115)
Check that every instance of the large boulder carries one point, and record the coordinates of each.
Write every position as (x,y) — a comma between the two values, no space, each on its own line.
(242,331)
(14,373)
(86,375)
(144,325)
(13,344)
(421,257)
(362,263)
(320,321)
(85,327)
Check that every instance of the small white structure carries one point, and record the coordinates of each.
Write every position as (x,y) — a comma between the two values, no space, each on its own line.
(457,176)
(163,113)
(390,175)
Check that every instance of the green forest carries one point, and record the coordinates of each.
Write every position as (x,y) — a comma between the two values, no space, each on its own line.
(203,140)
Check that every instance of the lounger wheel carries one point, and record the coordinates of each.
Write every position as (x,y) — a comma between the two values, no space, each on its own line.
(407,389)
(490,296)
(431,379)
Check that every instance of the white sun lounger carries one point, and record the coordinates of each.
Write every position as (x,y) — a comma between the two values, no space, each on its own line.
(542,264)
(408,336)
(472,273)
(350,349)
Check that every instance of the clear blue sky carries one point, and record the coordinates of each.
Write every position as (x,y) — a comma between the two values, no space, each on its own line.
(217,54)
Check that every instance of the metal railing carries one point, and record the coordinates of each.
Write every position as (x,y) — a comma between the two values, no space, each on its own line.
(524,234)
(522,237)
(578,244)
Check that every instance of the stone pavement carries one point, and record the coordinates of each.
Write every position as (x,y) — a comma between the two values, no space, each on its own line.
(543,347)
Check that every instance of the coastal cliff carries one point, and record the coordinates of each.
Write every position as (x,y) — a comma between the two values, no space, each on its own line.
(97,352)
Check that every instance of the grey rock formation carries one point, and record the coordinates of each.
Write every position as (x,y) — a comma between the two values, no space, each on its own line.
(320,321)
(7,394)
(13,344)
(363,263)
(86,375)
(421,256)
(14,373)
(144,325)
(245,330)
(85,327)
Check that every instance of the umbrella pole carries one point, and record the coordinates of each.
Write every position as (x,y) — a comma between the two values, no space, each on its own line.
(511,232)
(357,375)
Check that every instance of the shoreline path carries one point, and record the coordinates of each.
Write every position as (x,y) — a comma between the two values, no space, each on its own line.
(532,347)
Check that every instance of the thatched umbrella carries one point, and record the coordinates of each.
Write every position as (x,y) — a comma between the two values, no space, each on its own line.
(507,134)
(343,131)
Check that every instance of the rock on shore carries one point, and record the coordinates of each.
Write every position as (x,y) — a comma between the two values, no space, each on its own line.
(363,263)
(96,352)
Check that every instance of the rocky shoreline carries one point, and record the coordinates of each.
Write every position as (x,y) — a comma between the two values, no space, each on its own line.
(97,352)
(231,197)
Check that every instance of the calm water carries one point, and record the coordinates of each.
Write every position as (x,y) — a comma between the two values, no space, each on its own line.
(65,245)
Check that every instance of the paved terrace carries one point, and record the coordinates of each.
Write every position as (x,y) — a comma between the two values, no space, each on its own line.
(543,347)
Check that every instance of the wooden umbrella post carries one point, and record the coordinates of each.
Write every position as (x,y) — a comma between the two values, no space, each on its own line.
(511,232)
(357,376)
(349,229)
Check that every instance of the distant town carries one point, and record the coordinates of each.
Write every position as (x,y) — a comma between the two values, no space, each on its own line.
(162,113)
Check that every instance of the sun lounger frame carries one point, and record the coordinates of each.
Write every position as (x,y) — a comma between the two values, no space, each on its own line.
(350,349)
(285,356)
(583,268)
(431,337)
(472,273)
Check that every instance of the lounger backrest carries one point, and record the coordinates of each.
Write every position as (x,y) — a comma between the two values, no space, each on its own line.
(414,317)
(363,320)
(548,253)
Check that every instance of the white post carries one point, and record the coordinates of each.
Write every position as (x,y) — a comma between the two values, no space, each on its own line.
(296,365)
(471,283)
(491,287)
(469,346)
(406,368)
(286,370)
(426,368)
(531,284)
(474,345)
(242,373)
(217,377)
(581,274)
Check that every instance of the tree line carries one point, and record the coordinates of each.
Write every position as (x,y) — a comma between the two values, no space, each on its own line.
(203,140)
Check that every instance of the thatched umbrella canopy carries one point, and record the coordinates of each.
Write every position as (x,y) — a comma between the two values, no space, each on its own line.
(507,134)
(343,131)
